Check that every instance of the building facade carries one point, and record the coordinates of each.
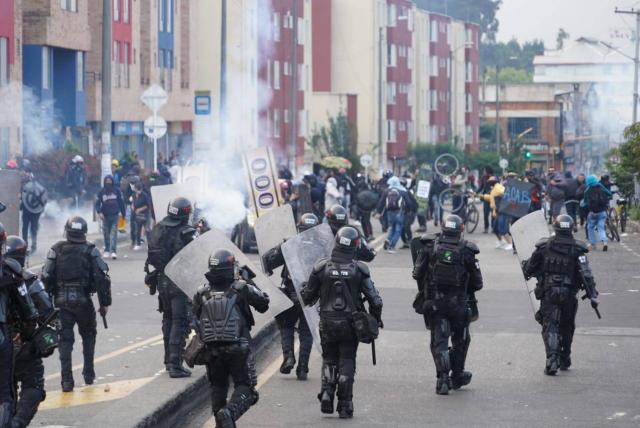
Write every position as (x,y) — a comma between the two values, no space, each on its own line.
(10,79)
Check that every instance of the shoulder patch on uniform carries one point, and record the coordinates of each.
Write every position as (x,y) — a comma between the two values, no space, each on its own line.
(472,246)
(320,265)
(363,268)
(542,242)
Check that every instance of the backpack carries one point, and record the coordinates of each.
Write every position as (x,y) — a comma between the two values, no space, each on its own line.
(221,319)
(394,200)
(160,245)
(597,200)
(447,265)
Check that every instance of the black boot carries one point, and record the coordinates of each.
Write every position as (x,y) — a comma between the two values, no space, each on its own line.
(224,419)
(345,409)
(444,384)
(288,362)
(345,398)
(301,371)
(177,371)
(327,394)
(565,362)
(552,366)
(67,385)
(458,380)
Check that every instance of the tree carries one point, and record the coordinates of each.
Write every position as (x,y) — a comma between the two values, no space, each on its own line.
(510,75)
(510,55)
(337,139)
(628,160)
(562,36)
(482,12)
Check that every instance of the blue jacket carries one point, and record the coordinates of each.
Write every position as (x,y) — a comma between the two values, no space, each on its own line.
(109,202)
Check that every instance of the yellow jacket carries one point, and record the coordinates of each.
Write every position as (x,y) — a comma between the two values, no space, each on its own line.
(497,191)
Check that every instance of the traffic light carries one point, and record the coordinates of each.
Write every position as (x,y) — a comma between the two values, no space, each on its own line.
(527,154)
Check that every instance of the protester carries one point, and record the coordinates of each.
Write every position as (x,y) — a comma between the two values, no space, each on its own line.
(76,179)
(332,195)
(570,191)
(582,185)
(596,200)
(394,203)
(141,211)
(485,189)
(109,206)
(501,221)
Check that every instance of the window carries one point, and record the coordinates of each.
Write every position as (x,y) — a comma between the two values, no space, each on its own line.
(433,100)
(402,126)
(303,123)
(468,72)
(116,60)
(302,32)
(69,5)
(448,62)
(302,77)
(288,21)
(276,74)
(391,15)
(286,116)
(46,68)
(449,33)
(434,32)
(276,123)
(125,11)
(275,25)
(410,58)
(520,125)
(125,64)
(410,22)
(392,54)
(411,131)
(168,64)
(391,131)
(287,69)
(433,131)
(434,66)
(4,61)
(116,10)
(391,92)
(161,15)
(468,36)
(169,16)
(79,71)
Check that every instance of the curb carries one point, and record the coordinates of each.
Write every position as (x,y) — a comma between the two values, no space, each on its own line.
(173,411)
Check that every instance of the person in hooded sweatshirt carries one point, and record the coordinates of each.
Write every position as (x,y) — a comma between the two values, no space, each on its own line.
(109,206)
(596,201)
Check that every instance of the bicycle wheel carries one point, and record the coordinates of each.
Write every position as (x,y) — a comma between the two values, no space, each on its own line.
(446,164)
(473,218)
(611,231)
(451,200)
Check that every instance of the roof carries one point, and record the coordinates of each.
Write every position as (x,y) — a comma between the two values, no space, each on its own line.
(586,50)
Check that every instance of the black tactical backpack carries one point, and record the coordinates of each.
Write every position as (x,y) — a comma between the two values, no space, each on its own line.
(447,265)
(160,244)
(221,319)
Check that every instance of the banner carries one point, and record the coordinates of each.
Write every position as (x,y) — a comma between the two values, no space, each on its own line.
(517,198)
(262,176)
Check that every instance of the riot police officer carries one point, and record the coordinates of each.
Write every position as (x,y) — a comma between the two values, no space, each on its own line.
(561,267)
(222,311)
(168,237)
(337,218)
(72,273)
(339,282)
(29,369)
(448,275)
(288,319)
(15,305)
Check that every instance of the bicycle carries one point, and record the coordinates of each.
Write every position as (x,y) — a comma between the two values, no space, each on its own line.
(610,225)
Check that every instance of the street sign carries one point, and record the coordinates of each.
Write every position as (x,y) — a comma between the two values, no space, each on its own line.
(155,98)
(366,161)
(504,164)
(155,127)
(202,105)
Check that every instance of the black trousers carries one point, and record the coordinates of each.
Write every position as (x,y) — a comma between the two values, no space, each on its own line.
(6,366)
(558,325)
(287,322)
(339,352)
(84,315)
(365,221)
(29,377)
(449,321)
(175,323)
(30,222)
(226,361)
(486,211)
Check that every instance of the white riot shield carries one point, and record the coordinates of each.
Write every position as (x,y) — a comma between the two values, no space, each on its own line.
(10,197)
(526,232)
(273,227)
(188,267)
(162,195)
(301,254)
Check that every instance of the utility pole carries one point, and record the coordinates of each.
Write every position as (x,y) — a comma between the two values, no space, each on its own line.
(498,109)
(223,76)
(105,162)
(293,113)
(381,162)
(636,59)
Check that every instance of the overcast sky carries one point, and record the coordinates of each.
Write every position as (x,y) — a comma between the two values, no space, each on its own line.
(530,19)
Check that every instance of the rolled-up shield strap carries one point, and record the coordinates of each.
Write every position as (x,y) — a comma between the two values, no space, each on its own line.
(187,268)
(526,232)
(301,253)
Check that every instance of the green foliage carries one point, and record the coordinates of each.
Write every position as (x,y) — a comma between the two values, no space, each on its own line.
(634,213)
(51,167)
(628,160)
(426,154)
(509,75)
(510,55)
(482,12)
(337,139)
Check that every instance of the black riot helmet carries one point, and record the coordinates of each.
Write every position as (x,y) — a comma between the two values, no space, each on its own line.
(337,217)
(347,243)
(563,225)
(76,229)
(307,221)
(453,226)
(16,249)
(179,209)
(222,266)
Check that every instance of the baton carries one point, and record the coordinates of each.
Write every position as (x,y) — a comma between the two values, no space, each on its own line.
(104,321)
(585,297)
(373,352)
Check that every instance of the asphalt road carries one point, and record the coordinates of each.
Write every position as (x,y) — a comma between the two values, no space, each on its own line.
(506,357)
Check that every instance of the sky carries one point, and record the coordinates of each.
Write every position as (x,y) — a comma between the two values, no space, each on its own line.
(541,19)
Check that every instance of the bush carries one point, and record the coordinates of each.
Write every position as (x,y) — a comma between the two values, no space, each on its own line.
(50,167)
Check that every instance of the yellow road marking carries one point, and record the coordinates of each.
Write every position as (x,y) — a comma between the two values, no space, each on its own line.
(149,341)
(93,393)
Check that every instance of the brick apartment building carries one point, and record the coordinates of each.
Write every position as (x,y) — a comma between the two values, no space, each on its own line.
(10,78)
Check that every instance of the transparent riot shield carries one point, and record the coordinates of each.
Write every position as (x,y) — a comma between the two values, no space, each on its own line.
(301,254)
(188,267)
(526,232)
(162,195)
(273,227)
(10,197)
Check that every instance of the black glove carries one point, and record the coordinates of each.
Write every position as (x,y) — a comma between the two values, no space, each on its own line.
(594,303)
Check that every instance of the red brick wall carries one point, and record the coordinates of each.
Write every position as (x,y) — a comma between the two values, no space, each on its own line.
(7,26)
